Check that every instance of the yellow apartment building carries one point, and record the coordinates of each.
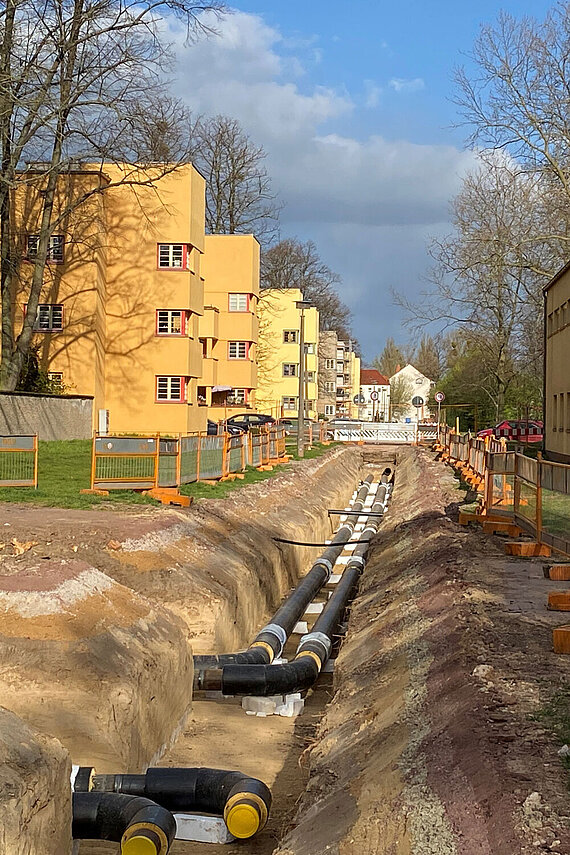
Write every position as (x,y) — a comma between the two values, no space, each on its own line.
(347,380)
(279,354)
(229,327)
(557,367)
(123,294)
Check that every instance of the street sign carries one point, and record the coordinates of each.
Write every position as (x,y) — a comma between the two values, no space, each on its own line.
(439,397)
(359,399)
(374,395)
(417,401)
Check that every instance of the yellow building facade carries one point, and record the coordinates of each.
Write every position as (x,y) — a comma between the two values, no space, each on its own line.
(347,380)
(229,328)
(123,294)
(557,367)
(279,358)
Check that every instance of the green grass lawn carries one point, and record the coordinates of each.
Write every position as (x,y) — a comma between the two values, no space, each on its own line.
(64,469)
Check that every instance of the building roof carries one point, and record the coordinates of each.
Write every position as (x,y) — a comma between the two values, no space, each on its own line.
(557,276)
(372,377)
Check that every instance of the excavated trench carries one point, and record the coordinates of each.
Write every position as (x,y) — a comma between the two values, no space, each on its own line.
(218,733)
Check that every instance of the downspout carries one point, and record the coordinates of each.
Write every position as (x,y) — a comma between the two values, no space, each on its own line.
(270,641)
(314,648)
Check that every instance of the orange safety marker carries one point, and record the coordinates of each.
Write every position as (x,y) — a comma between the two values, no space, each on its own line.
(559,601)
(527,549)
(559,572)
(502,526)
(561,639)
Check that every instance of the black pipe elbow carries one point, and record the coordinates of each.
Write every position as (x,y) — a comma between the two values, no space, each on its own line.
(254,656)
(127,819)
(266,680)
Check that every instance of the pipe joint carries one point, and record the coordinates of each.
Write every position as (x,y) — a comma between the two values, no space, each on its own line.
(322,641)
(278,632)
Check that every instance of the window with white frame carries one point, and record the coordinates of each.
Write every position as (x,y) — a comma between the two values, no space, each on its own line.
(289,403)
(330,386)
(330,363)
(309,376)
(173,256)
(56,379)
(329,409)
(290,336)
(55,248)
(238,302)
(309,347)
(171,322)
(49,317)
(238,397)
(290,369)
(171,389)
(238,349)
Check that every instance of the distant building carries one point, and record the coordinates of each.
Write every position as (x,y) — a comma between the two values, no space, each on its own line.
(415,384)
(326,405)
(557,367)
(375,390)
(278,356)
(347,380)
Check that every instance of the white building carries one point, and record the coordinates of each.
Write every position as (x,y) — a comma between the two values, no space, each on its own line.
(415,385)
(375,396)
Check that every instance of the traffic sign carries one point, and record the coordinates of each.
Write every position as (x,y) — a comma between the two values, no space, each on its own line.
(439,397)
(374,395)
(417,401)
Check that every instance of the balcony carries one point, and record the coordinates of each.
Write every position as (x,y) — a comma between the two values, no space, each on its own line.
(210,323)
(209,372)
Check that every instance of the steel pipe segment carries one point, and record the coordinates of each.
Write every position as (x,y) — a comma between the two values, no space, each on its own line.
(140,825)
(244,802)
(269,642)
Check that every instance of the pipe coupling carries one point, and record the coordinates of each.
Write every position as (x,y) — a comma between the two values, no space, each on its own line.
(356,559)
(318,638)
(279,633)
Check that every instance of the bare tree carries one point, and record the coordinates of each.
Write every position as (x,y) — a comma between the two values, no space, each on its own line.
(239,199)
(294,264)
(401,392)
(80,80)
(393,357)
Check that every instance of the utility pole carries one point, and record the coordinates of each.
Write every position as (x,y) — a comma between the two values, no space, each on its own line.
(302,305)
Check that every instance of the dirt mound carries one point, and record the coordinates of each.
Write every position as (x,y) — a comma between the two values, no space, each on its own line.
(419,752)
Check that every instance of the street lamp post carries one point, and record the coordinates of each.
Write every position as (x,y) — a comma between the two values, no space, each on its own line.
(302,305)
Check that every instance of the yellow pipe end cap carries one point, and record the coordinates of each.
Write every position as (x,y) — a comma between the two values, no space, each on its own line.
(138,846)
(243,820)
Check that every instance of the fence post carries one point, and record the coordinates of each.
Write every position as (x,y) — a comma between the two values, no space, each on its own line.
(225,467)
(243,439)
(179,461)
(198,450)
(35,461)
(517,487)
(93,461)
(157,460)
(539,497)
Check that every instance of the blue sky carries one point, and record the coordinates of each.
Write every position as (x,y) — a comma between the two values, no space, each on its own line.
(353,104)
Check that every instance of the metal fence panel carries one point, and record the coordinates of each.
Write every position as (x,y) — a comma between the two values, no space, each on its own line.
(125,463)
(235,453)
(255,441)
(18,461)
(189,451)
(168,463)
(211,457)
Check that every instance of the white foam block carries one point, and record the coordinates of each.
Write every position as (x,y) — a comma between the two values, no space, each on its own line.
(301,627)
(314,608)
(202,829)
(342,559)
(335,577)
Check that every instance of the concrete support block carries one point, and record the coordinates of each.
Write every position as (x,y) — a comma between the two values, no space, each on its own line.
(202,829)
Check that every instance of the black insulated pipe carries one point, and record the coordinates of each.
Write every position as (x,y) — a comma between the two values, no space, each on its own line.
(133,821)
(269,642)
(243,801)
(315,647)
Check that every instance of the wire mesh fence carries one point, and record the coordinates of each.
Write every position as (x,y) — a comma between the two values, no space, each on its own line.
(19,461)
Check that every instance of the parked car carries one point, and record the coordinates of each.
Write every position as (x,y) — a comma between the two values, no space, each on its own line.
(244,421)
(516,430)
(214,428)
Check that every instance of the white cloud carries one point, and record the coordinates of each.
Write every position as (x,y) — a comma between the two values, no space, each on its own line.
(334,186)
(400,84)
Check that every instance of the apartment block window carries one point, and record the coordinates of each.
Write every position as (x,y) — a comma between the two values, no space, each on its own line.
(309,347)
(49,317)
(329,409)
(289,403)
(238,397)
(239,302)
(238,349)
(330,386)
(561,413)
(555,413)
(290,336)
(290,369)
(309,376)
(55,250)
(330,363)
(56,380)
(171,322)
(171,389)
(173,256)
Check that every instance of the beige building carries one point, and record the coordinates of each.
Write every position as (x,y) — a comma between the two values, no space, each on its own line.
(347,380)
(279,361)
(229,327)
(557,367)
(405,385)
(327,382)
(375,396)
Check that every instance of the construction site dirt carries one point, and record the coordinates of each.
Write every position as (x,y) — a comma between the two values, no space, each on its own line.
(433,735)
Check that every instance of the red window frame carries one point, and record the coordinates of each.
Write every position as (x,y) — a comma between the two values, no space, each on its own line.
(184,321)
(186,249)
(247,349)
(239,294)
(183,389)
